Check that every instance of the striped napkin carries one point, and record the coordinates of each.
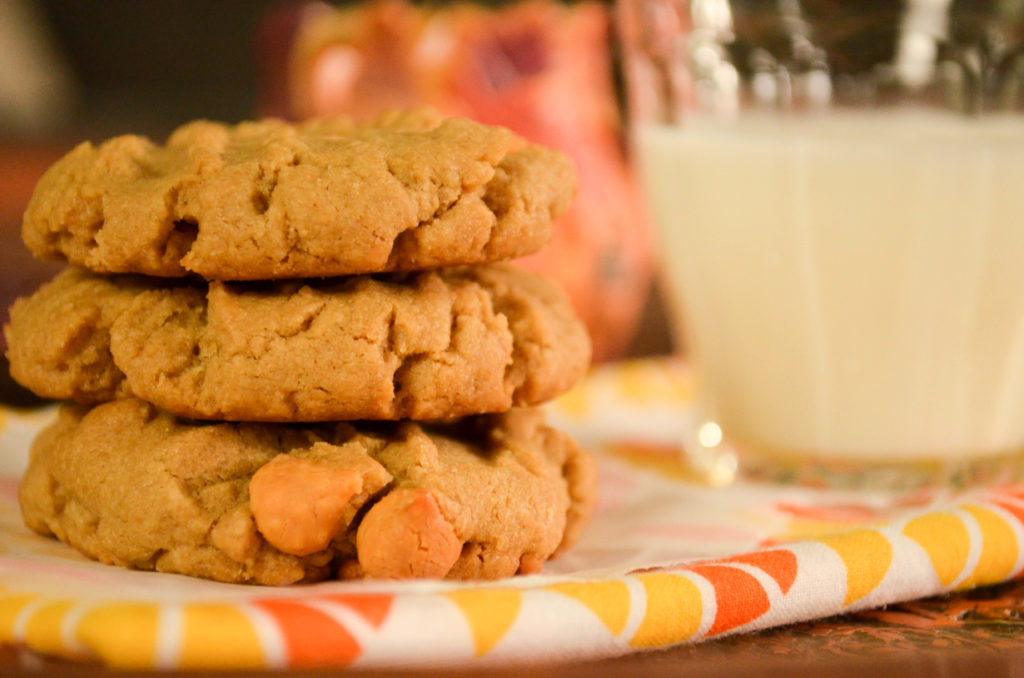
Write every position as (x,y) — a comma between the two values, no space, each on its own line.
(666,560)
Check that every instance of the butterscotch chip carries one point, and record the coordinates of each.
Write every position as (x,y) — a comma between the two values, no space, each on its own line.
(269,200)
(299,505)
(422,345)
(130,485)
(406,535)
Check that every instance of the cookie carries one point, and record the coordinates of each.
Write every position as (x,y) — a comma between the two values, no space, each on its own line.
(269,200)
(422,345)
(485,497)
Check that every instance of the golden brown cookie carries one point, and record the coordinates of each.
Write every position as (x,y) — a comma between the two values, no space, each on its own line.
(484,497)
(269,200)
(421,345)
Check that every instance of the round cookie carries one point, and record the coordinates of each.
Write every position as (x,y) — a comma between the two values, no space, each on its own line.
(269,200)
(421,345)
(485,497)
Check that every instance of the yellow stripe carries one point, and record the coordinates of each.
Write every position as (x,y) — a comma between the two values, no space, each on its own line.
(42,630)
(674,610)
(682,384)
(999,549)
(803,529)
(867,556)
(575,403)
(665,461)
(219,637)
(123,634)
(945,539)
(11,606)
(635,382)
(643,382)
(490,613)
(608,600)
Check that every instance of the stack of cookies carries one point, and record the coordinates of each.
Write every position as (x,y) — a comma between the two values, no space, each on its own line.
(293,357)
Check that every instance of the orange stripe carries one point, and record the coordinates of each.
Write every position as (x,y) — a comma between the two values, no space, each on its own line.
(1019,494)
(779,565)
(311,637)
(1013,509)
(739,597)
(373,607)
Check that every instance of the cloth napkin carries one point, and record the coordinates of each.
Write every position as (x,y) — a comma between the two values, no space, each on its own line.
(666,560)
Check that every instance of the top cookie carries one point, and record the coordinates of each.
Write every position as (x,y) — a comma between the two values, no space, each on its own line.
(269,200)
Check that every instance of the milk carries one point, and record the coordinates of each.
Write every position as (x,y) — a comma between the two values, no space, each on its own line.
(849,285)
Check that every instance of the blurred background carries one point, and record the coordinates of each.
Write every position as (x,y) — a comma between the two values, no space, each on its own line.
(73,71)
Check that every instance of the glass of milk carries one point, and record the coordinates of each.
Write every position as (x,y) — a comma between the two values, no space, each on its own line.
(839,193)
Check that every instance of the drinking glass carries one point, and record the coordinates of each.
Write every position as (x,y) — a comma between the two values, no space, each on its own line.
(839,194)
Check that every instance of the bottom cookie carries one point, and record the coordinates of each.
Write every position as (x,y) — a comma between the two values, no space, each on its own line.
(480,498)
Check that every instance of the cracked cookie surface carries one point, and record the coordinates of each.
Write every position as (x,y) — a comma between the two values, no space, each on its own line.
(269,200)
(480,498)
(421,345)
